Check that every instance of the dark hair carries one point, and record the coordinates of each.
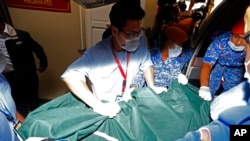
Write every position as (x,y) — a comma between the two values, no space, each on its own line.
(106,33)
(1,19)
(123,11)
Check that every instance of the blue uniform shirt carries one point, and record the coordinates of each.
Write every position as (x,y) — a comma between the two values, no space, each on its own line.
(166,71)
(226,63)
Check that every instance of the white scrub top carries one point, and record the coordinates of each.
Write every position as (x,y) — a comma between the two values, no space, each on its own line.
(99,65)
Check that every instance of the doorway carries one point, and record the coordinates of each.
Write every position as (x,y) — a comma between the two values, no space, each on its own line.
(5,12)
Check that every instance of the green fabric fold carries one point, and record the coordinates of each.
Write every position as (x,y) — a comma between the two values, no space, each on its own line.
(148,117)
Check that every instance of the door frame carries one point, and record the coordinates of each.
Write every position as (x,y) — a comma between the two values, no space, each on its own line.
(5,12)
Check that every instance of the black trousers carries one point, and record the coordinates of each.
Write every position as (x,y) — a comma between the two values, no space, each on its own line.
(24,90)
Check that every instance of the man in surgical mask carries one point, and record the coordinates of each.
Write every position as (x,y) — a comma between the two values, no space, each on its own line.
(223,63)
(111,64)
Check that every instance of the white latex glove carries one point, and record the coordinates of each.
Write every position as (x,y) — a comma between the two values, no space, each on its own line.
(127,95)
(36,139)
(182,79)
(159,90)
(110,109)
(205,134)
(204,93)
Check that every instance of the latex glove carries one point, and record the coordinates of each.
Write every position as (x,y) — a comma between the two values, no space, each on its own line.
(127,95)
(110,109)
(204,93)
(205,134)
(182,79)
(159,90)
(37,139)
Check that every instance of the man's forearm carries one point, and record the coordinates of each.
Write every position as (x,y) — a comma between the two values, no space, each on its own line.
(81,90)
(149,76)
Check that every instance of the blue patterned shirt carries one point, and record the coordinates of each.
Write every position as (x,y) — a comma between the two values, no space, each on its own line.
(226,63)
(166,71)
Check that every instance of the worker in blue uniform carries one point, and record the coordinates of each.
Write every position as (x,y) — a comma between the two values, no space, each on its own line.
(219,129)
(223,63)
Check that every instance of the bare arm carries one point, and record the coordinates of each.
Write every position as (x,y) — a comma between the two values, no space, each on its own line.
(81,90)
(19,116)
(149,76)
(205,74)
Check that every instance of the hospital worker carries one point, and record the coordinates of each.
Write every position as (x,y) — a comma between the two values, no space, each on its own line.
(223,63)
(170,59)
(111,64)
(219,129)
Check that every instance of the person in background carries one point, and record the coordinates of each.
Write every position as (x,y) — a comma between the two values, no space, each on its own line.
(192,3)
(170,59)
(223,63)
(112,63)
(20,67)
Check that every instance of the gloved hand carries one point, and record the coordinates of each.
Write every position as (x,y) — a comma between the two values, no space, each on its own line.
(205,134)
(110,109)
(158,90)
(182,79)
(204,93)
(127,95)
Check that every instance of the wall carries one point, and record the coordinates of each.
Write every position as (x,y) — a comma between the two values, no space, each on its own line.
(60,36)
(150,13)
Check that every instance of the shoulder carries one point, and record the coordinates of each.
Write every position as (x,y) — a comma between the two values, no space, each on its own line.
(143,45)
(19,31)
(156,56)
(99,48)
(221,41)
(22,33)
(225,36)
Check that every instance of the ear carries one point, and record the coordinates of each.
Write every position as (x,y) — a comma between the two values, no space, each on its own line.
(114,30)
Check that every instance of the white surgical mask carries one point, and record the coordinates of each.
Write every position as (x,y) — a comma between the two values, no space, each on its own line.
(247,73)
(130,44)
(234,47)
(175,52)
